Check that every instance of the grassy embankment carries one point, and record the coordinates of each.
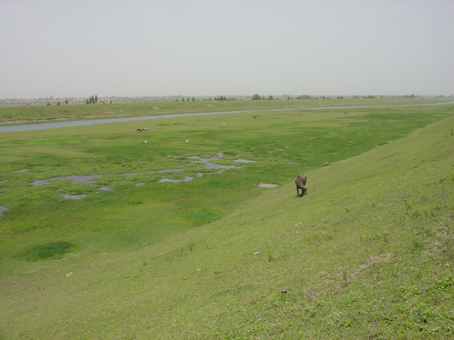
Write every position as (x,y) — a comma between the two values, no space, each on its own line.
(368,253)
(44,113)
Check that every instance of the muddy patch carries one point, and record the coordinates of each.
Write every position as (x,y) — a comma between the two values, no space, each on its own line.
(267,185)
(105,189)
(73,197)
(74,179)
(19,171)
(206,163)
(2,209)
(151,171)
(242,160)
(186,179)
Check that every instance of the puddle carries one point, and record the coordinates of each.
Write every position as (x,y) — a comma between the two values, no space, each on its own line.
(79,197)
(74,179)
(151,171)
(73,197)
(242,160)
(22,170)
(2,209)
(267,185)
(105,189)
(208,165)
(186,179)
(204,162)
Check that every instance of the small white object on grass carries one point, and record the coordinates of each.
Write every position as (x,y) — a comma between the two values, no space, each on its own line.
(145,141)
(187,141)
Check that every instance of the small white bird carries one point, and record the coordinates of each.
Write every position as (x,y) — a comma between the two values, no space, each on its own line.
(187,141)
(145,141)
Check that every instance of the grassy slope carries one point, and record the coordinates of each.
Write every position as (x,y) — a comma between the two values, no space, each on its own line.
(367,254)
(38,113)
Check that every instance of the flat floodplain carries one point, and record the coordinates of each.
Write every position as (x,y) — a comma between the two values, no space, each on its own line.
(133,256)
(43,113)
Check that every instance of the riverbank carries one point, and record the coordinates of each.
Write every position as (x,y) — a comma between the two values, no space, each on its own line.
(24,125)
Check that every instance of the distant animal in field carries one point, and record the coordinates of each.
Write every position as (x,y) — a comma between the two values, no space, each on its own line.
(327,164)
(300,182)
(139,130)
(144,129)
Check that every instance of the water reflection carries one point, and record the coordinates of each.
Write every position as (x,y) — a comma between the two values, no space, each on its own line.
(205,163)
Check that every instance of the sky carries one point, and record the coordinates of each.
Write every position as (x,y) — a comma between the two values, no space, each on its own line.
(78,48)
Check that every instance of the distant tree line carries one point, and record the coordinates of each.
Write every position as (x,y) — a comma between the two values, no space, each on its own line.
(257,97)
(92,100)
(221,98)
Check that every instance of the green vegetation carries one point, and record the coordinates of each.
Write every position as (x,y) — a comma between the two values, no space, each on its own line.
(368,253)
(45,251)
(90,100)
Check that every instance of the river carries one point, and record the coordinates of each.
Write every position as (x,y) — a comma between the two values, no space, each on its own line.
(83,122)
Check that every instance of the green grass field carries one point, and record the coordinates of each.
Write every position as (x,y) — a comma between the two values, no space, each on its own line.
(367,254)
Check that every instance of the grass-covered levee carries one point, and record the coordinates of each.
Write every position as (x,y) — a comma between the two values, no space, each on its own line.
(108,233)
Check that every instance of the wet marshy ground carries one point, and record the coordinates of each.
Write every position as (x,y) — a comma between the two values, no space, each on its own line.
(203,163)
(74,179)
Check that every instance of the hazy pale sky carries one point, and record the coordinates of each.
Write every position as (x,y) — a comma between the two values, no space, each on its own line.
(76,48)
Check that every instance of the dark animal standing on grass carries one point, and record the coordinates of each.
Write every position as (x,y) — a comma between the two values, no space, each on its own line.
(139,130)
(300,182)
